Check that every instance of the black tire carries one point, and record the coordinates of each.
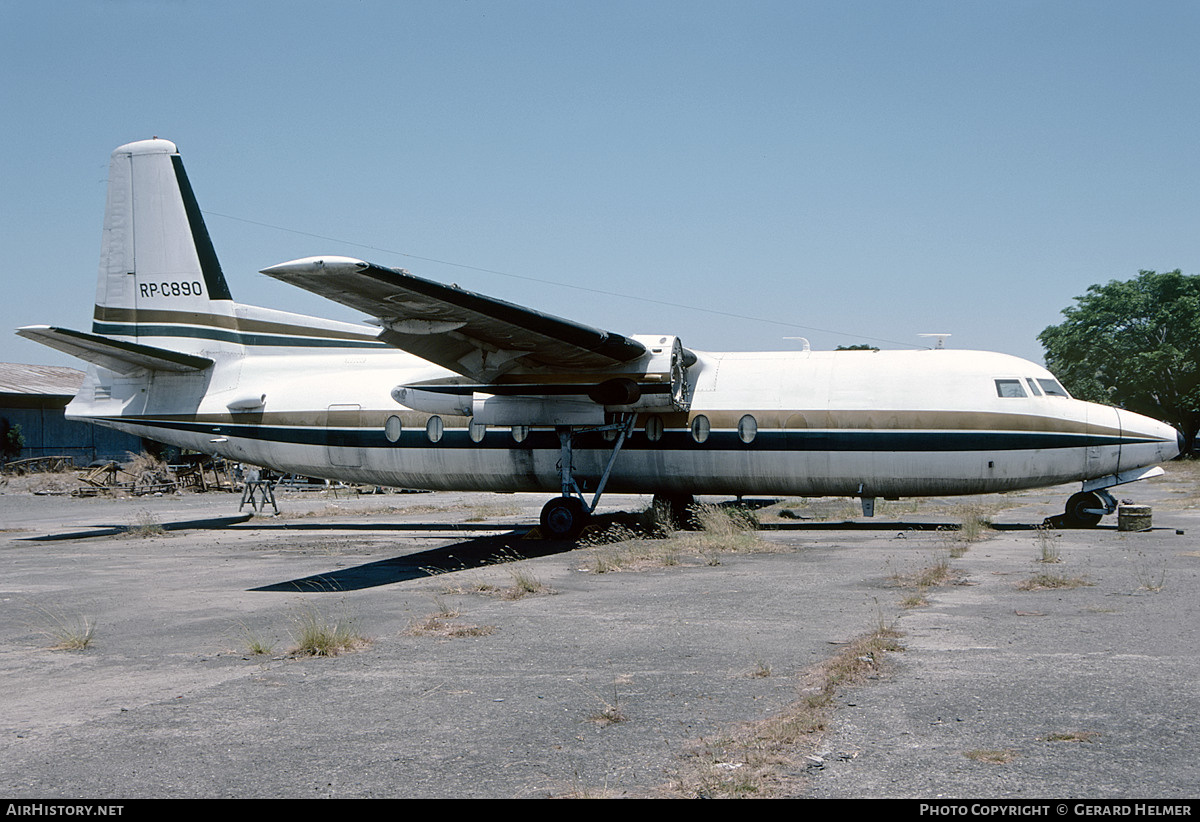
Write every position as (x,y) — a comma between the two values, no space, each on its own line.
(1077,515)
(563,518)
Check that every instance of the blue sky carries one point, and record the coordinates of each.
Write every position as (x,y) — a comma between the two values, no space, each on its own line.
(734,173)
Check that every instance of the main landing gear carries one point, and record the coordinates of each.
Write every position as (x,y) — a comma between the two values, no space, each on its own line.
(565,516)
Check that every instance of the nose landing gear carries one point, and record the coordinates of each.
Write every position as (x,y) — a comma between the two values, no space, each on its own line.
(1084,510)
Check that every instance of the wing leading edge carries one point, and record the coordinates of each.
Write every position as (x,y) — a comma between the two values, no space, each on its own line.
(471,334)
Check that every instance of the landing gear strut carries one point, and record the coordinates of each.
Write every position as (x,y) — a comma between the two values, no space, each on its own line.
(565,516)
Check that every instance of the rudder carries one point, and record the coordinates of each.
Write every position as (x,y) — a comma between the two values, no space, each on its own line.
(159,277)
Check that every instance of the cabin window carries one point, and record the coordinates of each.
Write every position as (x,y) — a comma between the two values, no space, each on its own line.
(392,428)
(654,428)
(1053,389)
(433,429)
(477,431)
(700,428)
(1010,388)
(748,428)
(1033,386)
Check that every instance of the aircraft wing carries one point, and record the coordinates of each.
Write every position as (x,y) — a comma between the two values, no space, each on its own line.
(471,334)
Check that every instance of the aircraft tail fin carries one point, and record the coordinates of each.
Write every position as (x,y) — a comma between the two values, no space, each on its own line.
(160,282)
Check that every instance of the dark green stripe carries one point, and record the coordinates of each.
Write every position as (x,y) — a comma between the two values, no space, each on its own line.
(766,441)
(188,360)
(130,316)
(209,333)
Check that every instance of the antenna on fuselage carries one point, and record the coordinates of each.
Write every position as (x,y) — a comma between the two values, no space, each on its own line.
(804,346)
(941,339)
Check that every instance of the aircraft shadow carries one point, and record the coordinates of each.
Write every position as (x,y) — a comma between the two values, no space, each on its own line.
(1041,526)
(117,530)
(457,527)
(460,556)
(892,525)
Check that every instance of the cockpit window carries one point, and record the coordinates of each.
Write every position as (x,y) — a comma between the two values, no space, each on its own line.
(1010,388)
(1033,386)
(1053,389)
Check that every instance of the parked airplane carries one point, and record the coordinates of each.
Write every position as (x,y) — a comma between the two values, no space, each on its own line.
(454,390)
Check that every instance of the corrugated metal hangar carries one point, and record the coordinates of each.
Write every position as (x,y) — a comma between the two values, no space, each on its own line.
(34,397)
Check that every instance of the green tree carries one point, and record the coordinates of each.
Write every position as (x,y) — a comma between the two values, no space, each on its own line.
(1136,345)
(11,441)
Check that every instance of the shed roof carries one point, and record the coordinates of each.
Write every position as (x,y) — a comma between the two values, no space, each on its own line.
(53,380)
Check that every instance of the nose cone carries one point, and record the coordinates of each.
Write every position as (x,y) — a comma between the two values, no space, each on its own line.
(1146,441)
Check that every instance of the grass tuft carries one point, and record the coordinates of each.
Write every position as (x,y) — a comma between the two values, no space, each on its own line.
(976,523)
(440,624)
(610,713)
(1149,575)
(524,584)
(1046,580)
(317,634)
(434,625)
(936,574)
(1070,736)
(254,642)
(1047,545)
(67,633)
(992,756)
(145,526)
(761,670)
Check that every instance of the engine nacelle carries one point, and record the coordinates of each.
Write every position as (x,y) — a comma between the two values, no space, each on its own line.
(433,402)
(665,366)
(655,383)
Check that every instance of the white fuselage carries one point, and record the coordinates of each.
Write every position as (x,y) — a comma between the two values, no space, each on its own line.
(853,423)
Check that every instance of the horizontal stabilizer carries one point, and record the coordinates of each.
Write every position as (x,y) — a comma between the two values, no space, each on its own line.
(121,357)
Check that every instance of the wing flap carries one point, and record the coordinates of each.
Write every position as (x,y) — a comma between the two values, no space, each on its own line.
(115,355)
(469,333)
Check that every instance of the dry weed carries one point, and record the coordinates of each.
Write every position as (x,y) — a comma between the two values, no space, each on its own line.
(761,759)
(1070,736)
(719,530)
(992,756)
(318,634)
(438,626)
(1051,581)
(937,573)
(65,632)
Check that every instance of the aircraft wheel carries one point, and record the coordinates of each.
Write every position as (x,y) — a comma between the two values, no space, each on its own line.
(563,518)
(1077,514)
